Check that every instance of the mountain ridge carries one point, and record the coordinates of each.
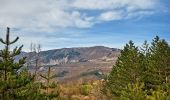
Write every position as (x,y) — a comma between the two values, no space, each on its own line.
(75,54)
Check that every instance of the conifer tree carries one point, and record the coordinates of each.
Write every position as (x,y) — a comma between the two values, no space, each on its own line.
(126,71)
(13,78)
(50,85)
(149,66)
(160,65)
(145,55)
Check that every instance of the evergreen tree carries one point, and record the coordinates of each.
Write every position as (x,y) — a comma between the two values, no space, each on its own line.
(126,71)
(159,65)
(13,78)
(147,75)
(50,85)
(149,66)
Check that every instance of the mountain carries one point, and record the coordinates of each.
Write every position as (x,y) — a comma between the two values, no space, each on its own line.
(75,55)
(75,63)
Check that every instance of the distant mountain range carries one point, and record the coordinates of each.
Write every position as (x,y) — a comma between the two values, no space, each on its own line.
(76,63)
(75,55)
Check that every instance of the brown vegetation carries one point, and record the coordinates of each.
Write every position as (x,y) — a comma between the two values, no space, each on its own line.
(82,90)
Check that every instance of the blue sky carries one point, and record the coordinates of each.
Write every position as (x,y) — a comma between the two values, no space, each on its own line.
(82,23)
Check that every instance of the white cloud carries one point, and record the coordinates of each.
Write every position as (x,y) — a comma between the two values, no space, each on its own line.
(113,4)
(111,15)
(40,15)
(52,15)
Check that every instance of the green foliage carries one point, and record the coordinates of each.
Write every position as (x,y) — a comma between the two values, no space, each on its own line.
(85,89)
(49,86)
(160,64)
(126,71)
(14,80)
(159,95)
(144,71)
(133,92)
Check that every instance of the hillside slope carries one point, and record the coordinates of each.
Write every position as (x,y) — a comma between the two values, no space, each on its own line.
(74,55)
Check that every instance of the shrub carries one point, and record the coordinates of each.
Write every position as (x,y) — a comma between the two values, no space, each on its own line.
(85,89)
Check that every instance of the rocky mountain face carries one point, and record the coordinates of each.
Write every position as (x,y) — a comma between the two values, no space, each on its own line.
(76,55)
(69,64)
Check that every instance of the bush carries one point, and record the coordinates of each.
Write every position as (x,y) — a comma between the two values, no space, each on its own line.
(85,89)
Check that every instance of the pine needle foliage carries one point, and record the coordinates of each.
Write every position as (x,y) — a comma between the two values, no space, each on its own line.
(148,65)
(13,78)
(51,88)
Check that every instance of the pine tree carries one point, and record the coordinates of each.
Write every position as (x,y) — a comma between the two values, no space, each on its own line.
(147,75)
(13,77)
(160,65)
(50,85)
(149,66)
(126,71)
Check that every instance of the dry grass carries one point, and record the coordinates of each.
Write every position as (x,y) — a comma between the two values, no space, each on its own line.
(80,90)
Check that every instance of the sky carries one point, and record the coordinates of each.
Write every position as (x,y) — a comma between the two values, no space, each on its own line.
(82,23)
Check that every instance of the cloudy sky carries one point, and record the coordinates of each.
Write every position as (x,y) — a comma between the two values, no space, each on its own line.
(81,23)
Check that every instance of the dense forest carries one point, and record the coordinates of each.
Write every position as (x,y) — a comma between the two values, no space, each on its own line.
(140,73)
